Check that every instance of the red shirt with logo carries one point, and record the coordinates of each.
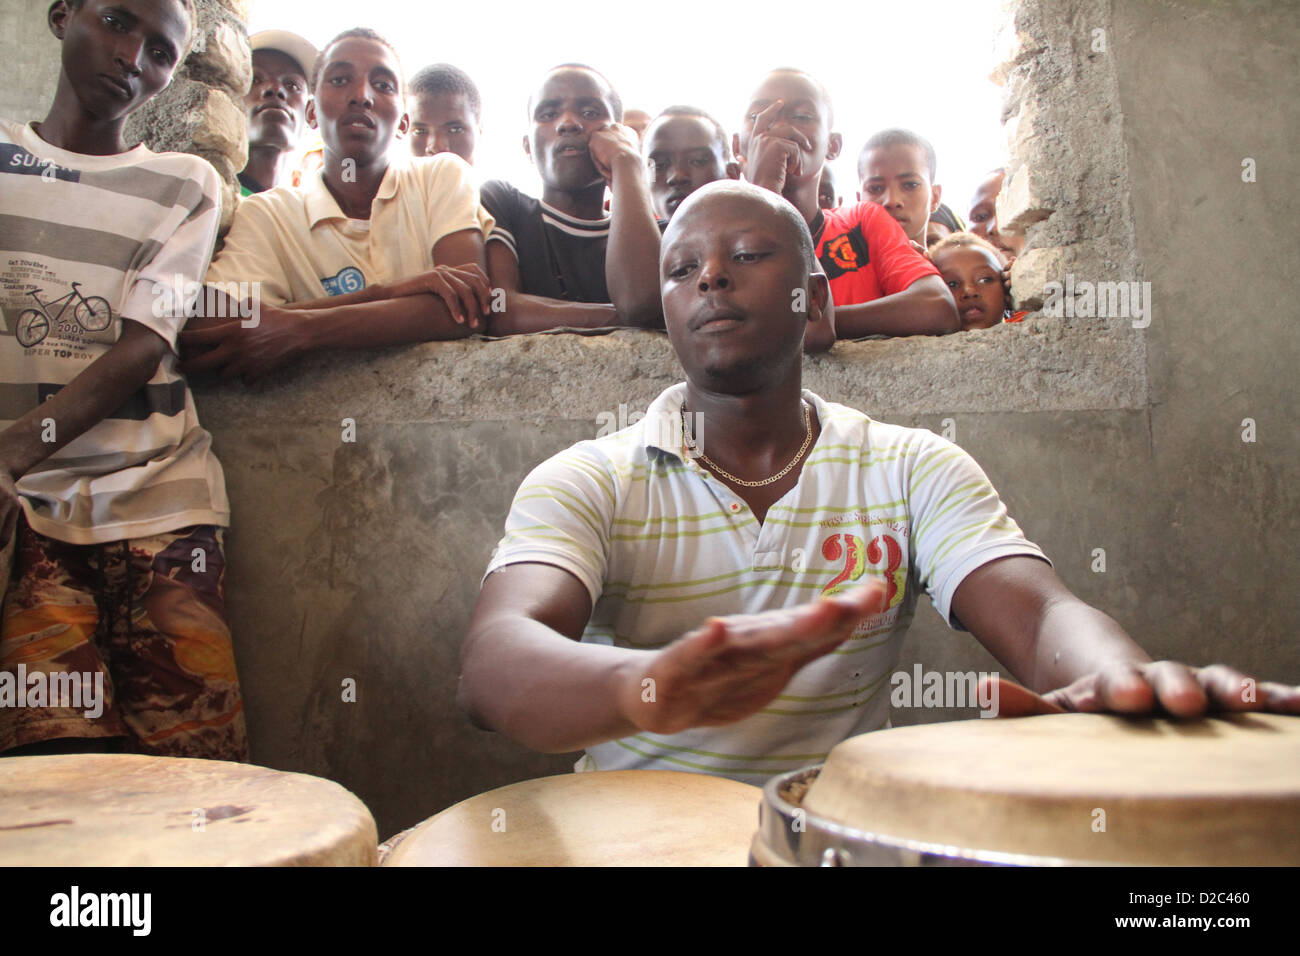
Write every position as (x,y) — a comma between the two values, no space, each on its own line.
(866,254)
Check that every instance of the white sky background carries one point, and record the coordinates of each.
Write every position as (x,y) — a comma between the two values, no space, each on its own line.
(926,69)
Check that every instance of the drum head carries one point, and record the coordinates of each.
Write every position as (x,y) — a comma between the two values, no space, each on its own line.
(1075,788)
(610,818)
(131,810)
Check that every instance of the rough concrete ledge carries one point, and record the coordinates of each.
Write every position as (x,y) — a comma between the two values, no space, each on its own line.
(1042,364)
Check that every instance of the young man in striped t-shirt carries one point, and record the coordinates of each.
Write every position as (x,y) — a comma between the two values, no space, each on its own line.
(114,633)
(655,601)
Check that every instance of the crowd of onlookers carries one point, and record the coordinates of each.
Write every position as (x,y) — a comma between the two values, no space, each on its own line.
(110,493)
(582,255)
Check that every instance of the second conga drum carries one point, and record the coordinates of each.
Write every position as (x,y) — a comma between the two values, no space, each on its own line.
(610,818)
(132,810)
(1060,789)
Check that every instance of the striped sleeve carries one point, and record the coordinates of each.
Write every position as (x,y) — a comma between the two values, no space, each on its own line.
(958,521)
(562,515)
(181,249)
(501,202)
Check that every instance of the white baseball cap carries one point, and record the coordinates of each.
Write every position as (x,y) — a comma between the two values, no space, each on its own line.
(289,44)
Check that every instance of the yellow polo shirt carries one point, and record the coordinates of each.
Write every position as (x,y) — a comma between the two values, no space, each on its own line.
(298,244)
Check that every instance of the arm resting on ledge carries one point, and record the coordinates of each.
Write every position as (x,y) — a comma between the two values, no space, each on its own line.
(535,313)
(924,308)
(274,335)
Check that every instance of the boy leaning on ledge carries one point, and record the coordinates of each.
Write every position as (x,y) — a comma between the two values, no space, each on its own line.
(106,478)
(376,249)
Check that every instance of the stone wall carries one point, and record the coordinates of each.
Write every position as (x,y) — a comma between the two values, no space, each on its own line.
(201,111)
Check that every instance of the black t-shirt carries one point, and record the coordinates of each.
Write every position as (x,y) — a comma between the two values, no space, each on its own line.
(560,257)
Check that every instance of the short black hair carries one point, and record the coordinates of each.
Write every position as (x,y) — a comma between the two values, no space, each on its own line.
(187,4)
(190,10)
(445,78)
(362,33)
(792,220)
(615,100)
(898,137)
(946,217)
(697,112)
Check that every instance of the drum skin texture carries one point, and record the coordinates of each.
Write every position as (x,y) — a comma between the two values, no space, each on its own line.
(132,810)
(606,818)
(1077,788)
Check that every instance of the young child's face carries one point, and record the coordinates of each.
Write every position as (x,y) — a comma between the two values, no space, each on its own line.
(444,123)
(934,231)
(974,277)
(118,54)
(276,102)
(357,102)
(568,107)
(982,216)
(984,220)
(898,178)
(803,109)
(826,190)
(683,153)
(726,273)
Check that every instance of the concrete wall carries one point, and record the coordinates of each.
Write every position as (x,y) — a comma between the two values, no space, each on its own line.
(361,560)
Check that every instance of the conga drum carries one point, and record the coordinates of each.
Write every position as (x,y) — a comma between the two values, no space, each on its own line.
(131,810)
(1051,790)
(607,818)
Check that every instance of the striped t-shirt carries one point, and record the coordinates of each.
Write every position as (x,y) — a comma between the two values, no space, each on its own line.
(661,546)
(87,241)
(560,256)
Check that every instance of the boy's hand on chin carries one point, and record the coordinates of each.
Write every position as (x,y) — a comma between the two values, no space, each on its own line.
(607,144)
(774,150)
(1162,688)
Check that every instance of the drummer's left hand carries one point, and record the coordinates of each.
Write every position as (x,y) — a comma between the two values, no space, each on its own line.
(1162,687)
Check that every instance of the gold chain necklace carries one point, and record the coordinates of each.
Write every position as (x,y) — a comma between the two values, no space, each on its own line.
(807,438)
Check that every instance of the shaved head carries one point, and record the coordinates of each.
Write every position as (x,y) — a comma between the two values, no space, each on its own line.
(757,201)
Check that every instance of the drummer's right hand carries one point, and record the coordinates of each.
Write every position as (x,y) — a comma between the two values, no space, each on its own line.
(730,667)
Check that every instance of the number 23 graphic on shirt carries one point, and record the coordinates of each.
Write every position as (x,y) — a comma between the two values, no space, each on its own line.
(858,556)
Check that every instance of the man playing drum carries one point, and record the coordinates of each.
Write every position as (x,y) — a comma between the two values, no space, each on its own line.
(655,599)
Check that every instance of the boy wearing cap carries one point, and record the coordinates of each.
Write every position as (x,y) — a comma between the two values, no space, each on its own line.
(276,105)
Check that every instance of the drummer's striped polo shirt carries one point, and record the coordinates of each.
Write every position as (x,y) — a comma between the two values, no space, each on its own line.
(661,546)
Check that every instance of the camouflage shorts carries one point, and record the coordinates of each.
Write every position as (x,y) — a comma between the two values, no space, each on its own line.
(141,626)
